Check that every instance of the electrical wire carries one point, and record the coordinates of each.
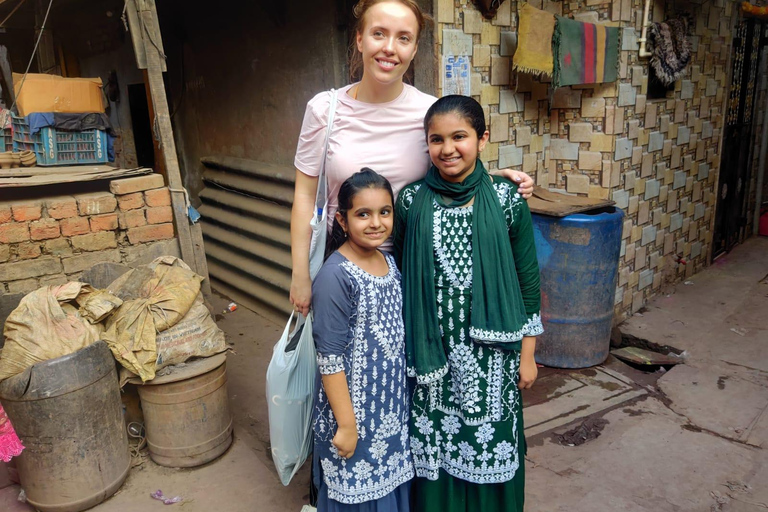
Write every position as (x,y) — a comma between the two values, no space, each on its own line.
(32,57)
(2,23)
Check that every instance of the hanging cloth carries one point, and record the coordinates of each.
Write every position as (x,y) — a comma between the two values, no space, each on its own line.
(671,49)
(534,41)
(585,53)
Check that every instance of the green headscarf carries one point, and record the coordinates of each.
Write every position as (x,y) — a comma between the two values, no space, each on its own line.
(498,312)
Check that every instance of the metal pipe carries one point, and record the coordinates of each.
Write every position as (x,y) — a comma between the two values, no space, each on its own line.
(761,158)
(644,53)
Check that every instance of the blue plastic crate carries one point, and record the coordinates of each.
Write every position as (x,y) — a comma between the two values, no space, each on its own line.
(59,147)
(7,139)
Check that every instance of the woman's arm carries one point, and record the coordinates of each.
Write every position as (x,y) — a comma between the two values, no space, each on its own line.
(528,369)
(527,268)
(521,179)
(345,439)
(301,235)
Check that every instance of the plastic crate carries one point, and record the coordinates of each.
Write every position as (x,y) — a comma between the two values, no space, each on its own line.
(7,139)
(58,147)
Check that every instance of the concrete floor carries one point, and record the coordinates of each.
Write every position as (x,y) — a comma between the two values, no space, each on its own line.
(691,439)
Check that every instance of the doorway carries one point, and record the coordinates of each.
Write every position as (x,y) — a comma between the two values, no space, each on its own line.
(735,165)
(142,127)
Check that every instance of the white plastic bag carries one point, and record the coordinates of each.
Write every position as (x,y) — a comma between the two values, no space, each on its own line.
(290,397)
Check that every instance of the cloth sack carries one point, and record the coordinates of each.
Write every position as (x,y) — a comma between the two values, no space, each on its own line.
(156,297)
(52,322)
(290,397)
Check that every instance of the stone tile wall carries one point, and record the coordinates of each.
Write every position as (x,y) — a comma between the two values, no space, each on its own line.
(658,159)
(52,240)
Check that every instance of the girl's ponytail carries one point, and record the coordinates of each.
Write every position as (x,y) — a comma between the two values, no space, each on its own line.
(336,239)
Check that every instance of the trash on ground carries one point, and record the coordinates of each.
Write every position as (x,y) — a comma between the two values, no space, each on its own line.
(740,331)
(738,486)
(232,307)
(688,283)
(590,429)
(158,495)
(22,496)
(639,355)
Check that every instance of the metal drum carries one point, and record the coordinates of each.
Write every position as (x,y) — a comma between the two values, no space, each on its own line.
(186,413)
(68,414)
(579,259)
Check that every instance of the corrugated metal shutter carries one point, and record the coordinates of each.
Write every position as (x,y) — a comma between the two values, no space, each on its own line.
(246,215)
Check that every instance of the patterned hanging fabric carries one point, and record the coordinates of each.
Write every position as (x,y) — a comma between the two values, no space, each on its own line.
(585,53)
(671,49)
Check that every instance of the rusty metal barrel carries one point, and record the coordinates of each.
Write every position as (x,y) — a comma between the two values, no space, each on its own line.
(68,414)
(186,413)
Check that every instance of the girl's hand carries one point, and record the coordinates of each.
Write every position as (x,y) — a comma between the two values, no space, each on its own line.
(524,182)
(301,294)
(528,372)
(345,441)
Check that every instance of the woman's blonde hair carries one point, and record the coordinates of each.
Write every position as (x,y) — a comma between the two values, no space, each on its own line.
(361,8)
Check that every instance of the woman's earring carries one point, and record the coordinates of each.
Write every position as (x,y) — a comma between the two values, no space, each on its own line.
(345,234)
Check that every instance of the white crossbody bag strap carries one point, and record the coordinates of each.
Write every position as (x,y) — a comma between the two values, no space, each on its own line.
(321,199)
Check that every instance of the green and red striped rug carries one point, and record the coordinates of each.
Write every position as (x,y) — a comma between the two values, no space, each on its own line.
(585,53)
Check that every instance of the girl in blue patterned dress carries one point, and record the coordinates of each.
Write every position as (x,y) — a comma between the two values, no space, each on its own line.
(362,458)
(471,314)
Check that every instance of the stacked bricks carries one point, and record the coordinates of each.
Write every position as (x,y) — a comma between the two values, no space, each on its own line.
(657,159)
(52,240)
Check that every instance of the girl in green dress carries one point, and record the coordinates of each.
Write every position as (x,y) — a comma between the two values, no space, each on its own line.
(464,241)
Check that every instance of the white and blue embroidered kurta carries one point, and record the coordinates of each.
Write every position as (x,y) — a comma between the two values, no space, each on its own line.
(358,329)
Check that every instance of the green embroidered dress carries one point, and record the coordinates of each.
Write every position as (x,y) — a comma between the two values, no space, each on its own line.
(469,424)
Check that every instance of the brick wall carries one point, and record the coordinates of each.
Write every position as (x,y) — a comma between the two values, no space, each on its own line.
(51,240)
(658,159)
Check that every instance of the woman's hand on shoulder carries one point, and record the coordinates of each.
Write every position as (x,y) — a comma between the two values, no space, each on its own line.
(524,182)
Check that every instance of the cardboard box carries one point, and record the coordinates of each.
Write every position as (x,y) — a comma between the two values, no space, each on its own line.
(51,93)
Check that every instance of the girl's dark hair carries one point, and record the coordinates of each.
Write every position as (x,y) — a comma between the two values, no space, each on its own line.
(360,10)
(365,178)
(463,106)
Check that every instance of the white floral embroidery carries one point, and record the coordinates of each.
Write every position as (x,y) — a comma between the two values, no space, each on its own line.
(454,415)
(330,364)
(374,362)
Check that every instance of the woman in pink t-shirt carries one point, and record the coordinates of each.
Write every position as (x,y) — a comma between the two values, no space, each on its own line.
(379,124)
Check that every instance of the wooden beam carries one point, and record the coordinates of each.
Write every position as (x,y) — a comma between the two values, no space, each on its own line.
(190,241)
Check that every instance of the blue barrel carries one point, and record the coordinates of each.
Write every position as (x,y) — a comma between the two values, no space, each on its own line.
(579,259)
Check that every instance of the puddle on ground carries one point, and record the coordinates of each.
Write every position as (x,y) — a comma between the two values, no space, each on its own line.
(635,412)
(588,430)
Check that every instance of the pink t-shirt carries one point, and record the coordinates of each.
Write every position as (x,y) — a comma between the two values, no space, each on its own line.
(386,137)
